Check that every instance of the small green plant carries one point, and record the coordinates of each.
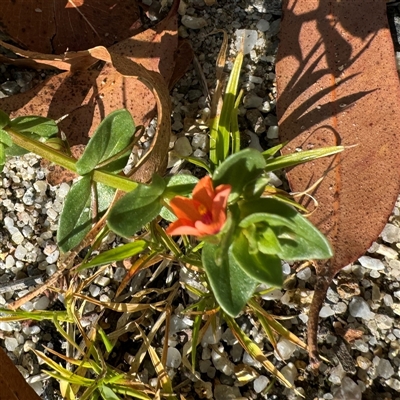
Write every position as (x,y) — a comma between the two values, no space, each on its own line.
(244,228)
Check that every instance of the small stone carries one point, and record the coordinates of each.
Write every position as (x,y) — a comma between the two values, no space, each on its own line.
(10,343)
(251,100)
(304,274)
(337,374)
(260,383)
(41,304)
(94,290)
(361,345)
(211,336)
(102,281)
(359,308)
(290,372)
(6,327)
(51,269)
(225,392)
(387,252)
(41,187)
(174,358)
(222,363)
(20,252)
(183,147)
(391,233)
(17,237)
(348,390)
(246,38)
(53,257)
(384,369)
(383,321)
(10,87)
(273,132)
(199,141)
(326,312)
(371,263)
(363,362)
(63,190)
(394,384)
(256,120)
(10,262)
(285,349)
(193,22)
(265,107)
(262,25)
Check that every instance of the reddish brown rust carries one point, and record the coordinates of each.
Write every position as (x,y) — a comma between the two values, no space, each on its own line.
(338,84)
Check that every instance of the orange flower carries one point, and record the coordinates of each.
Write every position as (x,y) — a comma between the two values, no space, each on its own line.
(204,214)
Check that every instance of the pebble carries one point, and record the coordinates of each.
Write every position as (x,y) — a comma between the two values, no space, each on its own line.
(359,308)
(222,363)
(251,100)
(183,146)
(174,358)
(391,233)
(94,290)
(383,368)
(285,349)
(193,22)
(262,25)
(371,263)
(273,132)
(326,311)
(20,252)
(348,390)
(246,38)
(225,392)
(260,383)
(42,303)
(290,372)
(102,281)
(10,343)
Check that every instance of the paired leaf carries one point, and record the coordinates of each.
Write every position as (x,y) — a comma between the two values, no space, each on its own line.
(298,238)
(111,137)
(231,286)
(75,218)
(137,208)
(43,127)
(238,170)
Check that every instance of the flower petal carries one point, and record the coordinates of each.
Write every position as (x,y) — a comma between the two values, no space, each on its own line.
(185,208)
(204,192)
(207,229)
(219,204)
(182,227)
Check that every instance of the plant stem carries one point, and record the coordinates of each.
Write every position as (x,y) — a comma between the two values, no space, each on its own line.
(44,151)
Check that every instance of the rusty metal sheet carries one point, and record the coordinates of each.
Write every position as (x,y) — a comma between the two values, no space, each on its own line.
(338,84)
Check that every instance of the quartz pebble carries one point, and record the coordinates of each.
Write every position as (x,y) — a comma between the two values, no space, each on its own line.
(371,263)
(183,146)
(285,349)
(246,38)
(359,308)
(174,357)
(260,383)
(348,390)
(384,369)
(391,233)
(193,22)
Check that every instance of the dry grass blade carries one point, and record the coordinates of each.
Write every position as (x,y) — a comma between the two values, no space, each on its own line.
(256,352)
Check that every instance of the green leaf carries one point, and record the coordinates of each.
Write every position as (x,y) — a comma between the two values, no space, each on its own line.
(2,156)
(199,162)
(231,286)
(105,195)
(117,254)
(4,119)
(301,157)
(75,220)
(273,150)
(181,184)
(238,170)
(107,393)
(41,126)
(111,137)
(255,188)
(298,238)
(5,138)
(265,268)
(137,208)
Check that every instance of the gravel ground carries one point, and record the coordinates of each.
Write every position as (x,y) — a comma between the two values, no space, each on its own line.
(360,325)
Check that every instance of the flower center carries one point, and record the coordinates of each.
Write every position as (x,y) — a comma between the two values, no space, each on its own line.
(206,216)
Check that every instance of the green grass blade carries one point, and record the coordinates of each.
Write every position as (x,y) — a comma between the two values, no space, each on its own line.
(224,129)
(235,124)
(301,157)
